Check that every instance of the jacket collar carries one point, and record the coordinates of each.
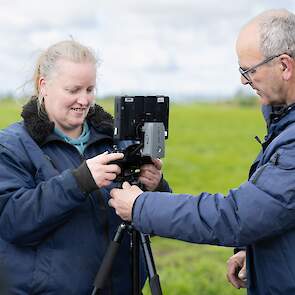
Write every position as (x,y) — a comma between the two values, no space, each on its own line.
(41,128)
(278,118)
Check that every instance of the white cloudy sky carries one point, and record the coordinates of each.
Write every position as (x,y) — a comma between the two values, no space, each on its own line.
(174,47)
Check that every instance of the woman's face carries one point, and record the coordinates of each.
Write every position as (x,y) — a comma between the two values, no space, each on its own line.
(68,95)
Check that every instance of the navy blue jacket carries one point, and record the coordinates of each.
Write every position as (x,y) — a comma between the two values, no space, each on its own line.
(260,214)
(53,236)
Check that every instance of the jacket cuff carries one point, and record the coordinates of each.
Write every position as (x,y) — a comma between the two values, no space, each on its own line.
(84,178)
(163,186)
(133,207)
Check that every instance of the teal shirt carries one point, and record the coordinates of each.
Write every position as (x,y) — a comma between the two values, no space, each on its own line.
(80,142)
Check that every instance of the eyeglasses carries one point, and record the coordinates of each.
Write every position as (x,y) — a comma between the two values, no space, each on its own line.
(246,73)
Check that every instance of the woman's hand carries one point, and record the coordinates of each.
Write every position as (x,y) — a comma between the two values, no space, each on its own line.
(151,174)
(102,172)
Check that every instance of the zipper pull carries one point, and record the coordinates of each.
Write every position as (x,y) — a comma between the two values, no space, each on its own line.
(258,140)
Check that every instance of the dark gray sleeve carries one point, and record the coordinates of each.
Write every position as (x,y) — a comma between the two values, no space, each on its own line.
(84,178)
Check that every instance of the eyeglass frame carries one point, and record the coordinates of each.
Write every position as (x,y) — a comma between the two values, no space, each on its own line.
(246,74)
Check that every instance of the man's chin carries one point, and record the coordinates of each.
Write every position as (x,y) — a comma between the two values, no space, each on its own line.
(263,100)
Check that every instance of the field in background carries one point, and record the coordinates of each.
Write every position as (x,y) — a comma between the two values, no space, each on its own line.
(210,148)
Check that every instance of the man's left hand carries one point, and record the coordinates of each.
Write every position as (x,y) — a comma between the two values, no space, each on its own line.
(151,174)
(122,200)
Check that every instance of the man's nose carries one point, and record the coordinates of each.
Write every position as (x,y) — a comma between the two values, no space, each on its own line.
(244,81)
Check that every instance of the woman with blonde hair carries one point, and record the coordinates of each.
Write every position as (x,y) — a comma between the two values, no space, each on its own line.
(55,178)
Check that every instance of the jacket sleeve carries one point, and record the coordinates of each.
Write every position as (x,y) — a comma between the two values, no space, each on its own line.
(28,212)
(262,207)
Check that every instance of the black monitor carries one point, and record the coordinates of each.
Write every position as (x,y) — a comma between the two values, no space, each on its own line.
(131,112)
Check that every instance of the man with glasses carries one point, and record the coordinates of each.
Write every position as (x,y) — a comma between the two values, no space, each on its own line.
(260,213)
(246,73)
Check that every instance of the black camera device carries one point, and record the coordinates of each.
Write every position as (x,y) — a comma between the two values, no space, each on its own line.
(140,129)
(142,120)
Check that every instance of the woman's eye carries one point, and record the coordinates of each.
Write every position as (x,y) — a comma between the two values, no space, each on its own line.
(90,90)
(252,71)
(72,91)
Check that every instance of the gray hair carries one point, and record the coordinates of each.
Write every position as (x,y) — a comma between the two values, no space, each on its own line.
(70,50)
(277,33)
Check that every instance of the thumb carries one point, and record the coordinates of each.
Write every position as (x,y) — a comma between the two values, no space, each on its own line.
(158,163)
(243,273)
(126,185)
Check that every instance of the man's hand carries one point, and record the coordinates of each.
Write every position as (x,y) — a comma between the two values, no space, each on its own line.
(102,172)
(236,270)
(151,174)
(122,200)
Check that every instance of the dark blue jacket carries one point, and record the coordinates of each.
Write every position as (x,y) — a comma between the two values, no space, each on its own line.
(53,236)
(260,214)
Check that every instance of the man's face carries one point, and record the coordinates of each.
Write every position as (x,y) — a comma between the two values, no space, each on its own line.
(265,78)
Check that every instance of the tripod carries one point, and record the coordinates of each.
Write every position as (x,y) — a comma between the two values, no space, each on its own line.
(137,239)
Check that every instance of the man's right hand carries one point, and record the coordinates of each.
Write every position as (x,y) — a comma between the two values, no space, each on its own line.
(122,200)
(102,172)
(236,270)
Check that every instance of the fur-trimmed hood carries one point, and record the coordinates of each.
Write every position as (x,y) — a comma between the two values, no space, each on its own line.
(40,127)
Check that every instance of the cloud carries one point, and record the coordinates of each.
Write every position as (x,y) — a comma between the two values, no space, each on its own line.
(176,47)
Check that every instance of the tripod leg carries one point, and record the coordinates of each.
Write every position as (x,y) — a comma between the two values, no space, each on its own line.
(154,278)
(107,263)
(135,263)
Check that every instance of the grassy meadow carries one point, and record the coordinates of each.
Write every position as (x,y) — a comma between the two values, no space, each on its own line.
(210,148)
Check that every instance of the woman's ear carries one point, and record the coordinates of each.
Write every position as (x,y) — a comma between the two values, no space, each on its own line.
(42,86)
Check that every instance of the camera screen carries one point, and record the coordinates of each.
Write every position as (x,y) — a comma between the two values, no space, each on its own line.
(131,112)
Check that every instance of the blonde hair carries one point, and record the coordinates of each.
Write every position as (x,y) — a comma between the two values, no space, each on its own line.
(46,63)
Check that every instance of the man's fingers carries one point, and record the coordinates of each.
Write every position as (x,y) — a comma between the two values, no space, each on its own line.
(111,202)
(243,283)
(113,192)
(231,275)
(126,185)
(243,273)
(233,280)
(233,267)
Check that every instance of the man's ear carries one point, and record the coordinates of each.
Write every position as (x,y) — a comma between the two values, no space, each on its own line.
(287,66)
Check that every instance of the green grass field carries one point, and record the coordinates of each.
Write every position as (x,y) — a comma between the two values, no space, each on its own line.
(210,148)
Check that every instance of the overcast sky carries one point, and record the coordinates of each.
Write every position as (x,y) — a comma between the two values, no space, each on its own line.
(178,48)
